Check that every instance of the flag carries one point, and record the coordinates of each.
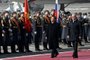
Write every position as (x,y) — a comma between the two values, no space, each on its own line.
(26,15)
(56,13)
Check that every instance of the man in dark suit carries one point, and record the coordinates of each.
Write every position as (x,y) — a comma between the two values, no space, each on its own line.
(74,31)
(53,36)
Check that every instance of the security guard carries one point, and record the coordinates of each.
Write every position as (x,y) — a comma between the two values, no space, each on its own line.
(85,27)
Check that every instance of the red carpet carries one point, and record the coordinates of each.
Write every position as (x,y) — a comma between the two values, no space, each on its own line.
(83,55)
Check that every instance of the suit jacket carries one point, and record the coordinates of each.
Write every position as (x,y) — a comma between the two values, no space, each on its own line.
(74,30)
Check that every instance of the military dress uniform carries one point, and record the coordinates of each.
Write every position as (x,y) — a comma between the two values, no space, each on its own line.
(38,32)
(28,38)
(5,34)
(22,35)
(0,34)
(46,23)
(29,34)
(24,41)
(14,29)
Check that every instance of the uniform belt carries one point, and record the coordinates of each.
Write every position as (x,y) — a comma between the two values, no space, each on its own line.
(14,27)
(64,26)
(38,26)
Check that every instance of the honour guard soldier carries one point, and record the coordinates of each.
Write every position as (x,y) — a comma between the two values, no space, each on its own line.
(0,34)
(14,29)
(22,33)
(5,32)
(23,43)
(38,32)
(46,28)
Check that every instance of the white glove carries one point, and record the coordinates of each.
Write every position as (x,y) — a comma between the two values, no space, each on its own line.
(26,34)
(43,32)
(2,35)
(10,30)
(3,31)
(35,32)
(67,36)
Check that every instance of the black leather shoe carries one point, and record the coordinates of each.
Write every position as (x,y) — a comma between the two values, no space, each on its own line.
(52,56)
(45,49)
(56,54)
(69,46)
(38,50)
(75,56)
(81,45)
(7,53)
(29,51)
(14,52)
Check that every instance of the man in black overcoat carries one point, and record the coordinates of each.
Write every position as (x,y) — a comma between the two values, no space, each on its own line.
(53,37)
(74,31)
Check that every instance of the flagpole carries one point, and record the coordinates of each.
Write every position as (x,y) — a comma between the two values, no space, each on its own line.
(56,2)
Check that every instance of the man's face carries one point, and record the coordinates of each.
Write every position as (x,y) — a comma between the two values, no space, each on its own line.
(22,15)
(46,13)
(37,14)
(78,16)
(14,15)
(73,18)
(52,19)
(6,14)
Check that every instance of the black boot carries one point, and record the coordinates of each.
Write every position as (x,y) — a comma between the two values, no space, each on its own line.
(54,53)
(75,55)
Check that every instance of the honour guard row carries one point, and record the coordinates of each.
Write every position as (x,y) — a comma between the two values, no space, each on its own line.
(69,29)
